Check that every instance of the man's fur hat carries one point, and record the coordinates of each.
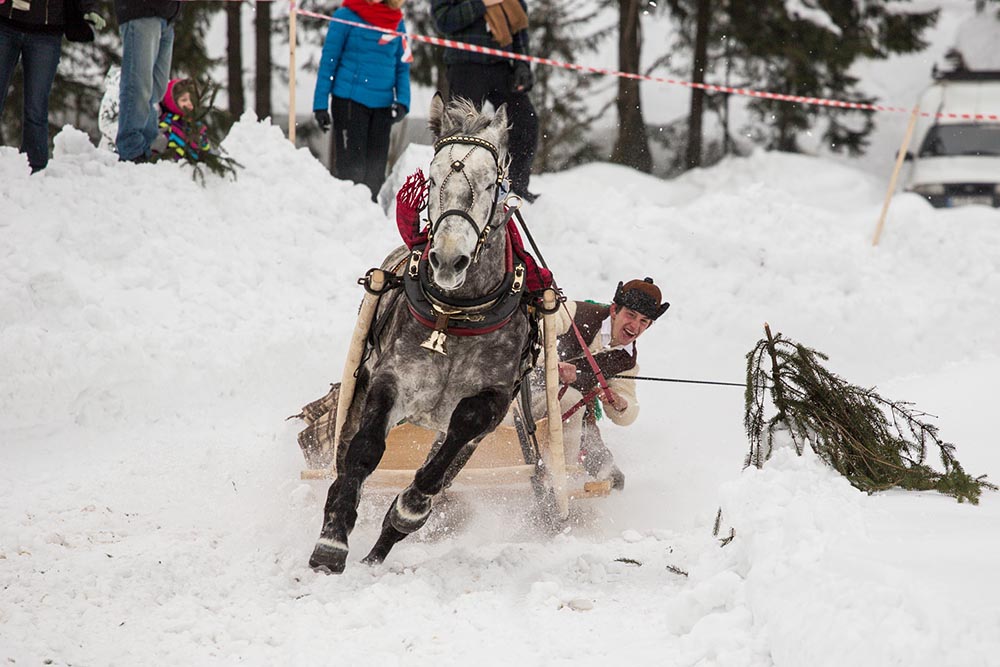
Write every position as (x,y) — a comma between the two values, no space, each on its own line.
(642,296)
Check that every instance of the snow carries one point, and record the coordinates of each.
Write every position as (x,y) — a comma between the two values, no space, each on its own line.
(154,336)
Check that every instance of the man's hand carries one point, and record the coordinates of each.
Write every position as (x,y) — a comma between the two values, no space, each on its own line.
(567,373)
(618,403)
(523,79)
(322,117)
(95,19)
(491,2)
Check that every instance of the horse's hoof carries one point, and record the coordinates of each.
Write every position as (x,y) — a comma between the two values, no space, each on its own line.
(374,558)
(328,557)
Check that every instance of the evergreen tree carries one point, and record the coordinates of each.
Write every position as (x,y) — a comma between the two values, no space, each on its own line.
(632,144)
(765,45)
(788,54)
(562,30)
(875,443)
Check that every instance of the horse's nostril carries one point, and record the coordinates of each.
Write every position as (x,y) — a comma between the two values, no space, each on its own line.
(435,262)
(461,263)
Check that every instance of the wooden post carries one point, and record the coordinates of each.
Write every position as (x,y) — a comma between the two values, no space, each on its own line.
(354,353)
(557,455)
(907,136)
(291,70)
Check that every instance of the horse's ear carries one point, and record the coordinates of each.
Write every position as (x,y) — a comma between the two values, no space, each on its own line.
(500,118)
(499,125)
(436,118)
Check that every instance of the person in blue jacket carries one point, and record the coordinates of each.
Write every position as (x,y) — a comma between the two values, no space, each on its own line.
(364,77)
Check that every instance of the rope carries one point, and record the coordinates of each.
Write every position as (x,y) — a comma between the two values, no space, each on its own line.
(653,379)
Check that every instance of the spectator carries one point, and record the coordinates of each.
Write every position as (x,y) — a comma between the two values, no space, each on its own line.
(31,31)
(147,31)
(367,73)
(499,24)
(186,137)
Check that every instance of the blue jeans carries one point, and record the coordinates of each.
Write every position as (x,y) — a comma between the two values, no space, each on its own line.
(147,48)
(39,56)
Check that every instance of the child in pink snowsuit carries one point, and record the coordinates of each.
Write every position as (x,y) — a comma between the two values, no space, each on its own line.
(186,137)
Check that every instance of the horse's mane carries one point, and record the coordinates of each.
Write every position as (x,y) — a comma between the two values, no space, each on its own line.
(465,118)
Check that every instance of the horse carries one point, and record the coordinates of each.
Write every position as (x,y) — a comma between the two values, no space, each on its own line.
(452,347)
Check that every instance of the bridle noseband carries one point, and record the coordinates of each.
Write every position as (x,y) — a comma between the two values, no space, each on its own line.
(457,166)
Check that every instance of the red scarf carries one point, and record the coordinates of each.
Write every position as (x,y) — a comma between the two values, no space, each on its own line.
(377,13)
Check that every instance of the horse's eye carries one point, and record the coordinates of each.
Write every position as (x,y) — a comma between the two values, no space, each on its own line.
(491,186)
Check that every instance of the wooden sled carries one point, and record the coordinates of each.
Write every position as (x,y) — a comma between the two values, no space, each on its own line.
(499,460)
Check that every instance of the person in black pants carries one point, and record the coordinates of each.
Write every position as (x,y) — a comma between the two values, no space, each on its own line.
(364,81)
(498,24)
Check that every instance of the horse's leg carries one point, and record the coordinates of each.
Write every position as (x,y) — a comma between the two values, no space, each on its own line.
(360,460)
(473,417)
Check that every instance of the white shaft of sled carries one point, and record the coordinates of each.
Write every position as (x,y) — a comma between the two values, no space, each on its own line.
(354,354)
(557,454)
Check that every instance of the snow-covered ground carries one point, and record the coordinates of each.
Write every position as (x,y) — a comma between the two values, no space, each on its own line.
(154,335)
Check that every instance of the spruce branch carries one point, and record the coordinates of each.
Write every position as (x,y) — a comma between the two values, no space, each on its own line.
(875,443)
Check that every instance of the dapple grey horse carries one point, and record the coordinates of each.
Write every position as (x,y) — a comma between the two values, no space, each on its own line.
(462,393)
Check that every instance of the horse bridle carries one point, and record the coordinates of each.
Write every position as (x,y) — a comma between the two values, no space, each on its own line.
(456,167)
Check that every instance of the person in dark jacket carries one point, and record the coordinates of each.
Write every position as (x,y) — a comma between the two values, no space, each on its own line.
(366,77)
(147,31)
(31,31)
(498,24)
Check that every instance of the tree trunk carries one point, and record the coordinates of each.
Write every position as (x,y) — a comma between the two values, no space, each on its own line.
(632,146)
(234,56)
(698,76)
(263,89)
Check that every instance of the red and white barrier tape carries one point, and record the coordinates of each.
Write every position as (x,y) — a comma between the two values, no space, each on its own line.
(746,92)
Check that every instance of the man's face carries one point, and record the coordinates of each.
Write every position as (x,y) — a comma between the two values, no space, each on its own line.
(184,103)
(626,325)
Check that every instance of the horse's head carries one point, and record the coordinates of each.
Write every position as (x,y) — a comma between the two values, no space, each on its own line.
(469,165)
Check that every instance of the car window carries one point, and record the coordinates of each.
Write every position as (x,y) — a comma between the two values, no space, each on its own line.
(961,139)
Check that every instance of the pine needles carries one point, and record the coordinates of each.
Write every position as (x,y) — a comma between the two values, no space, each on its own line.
(204,151)
(875,443)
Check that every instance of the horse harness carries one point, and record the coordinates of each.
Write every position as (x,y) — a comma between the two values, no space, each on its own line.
(447,315)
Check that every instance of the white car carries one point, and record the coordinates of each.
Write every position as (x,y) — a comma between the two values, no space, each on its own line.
(957,159)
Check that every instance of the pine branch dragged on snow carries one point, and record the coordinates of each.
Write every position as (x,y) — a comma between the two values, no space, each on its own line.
(203,150)
(874,442)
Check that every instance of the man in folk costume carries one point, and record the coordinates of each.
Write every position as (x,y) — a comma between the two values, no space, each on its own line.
(610,333)
(478,77)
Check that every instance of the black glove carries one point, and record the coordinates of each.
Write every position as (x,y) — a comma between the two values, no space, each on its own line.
(322,117)
(398,112)
(523,80)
